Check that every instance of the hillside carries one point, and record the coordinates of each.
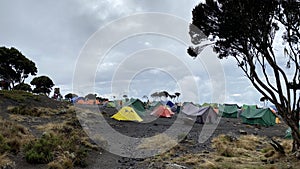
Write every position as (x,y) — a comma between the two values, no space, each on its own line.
(38,132)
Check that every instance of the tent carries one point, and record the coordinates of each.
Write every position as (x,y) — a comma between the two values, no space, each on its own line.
(127,114)
(263,117)
(170,104)
(229,110)
(190,108)
(288,132)
(76,99)
(245,107)
(110,104)
(162,111)
(203,114)
(154,105)
(273,107)
(137,105)
(214,105)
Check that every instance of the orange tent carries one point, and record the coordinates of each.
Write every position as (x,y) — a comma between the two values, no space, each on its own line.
(162,111)
(80,102)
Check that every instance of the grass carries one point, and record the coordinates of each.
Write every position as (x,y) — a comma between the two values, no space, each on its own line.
(160,142)
(12,137)
(18,95)
(247,151)
(32,111)
(17,117)
(5,162)
(69,149)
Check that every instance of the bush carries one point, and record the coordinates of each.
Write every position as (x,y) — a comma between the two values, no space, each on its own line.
(3,145)
(41,151)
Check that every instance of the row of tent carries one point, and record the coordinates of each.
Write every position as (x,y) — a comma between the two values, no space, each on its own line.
(134,110)
(250,114)
(128,113)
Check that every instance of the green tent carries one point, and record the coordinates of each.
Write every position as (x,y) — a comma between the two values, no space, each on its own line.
(137,105)
(263,117)
(154,105)
(245,107)
(111,104)
(213,105)
(288,133)
(229,110)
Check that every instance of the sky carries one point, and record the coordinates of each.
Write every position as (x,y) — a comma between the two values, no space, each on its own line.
(113,48)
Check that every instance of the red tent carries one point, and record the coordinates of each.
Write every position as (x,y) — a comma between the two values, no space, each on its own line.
(162,111)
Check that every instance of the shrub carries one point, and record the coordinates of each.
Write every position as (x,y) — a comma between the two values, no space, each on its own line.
(42,150)
(3,145)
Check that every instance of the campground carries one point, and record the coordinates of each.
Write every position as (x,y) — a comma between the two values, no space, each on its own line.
(233,144)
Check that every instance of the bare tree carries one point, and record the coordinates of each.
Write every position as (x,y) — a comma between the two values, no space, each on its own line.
(246,30)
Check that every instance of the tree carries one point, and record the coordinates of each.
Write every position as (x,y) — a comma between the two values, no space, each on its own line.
(177,94)
(246,30)
(125,97)
(43,84)
(172,97)
(23,86)
(91,96)
(154,95)
(14,66)
(70,96)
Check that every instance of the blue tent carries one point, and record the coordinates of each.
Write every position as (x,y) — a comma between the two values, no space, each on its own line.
(170,104)
(75,99)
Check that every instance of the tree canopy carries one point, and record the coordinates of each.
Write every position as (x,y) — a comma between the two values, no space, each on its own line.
(90,96)
(14,66)
(70,95)
(23,86)
(43,85)
(248,30)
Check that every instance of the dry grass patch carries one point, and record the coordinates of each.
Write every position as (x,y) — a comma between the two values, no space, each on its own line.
(32,111)
(5,162)
(158,142)
(249,152)
(12,138)
(51,127)
(18,118)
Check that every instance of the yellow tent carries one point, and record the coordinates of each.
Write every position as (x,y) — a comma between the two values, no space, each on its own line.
(127,114)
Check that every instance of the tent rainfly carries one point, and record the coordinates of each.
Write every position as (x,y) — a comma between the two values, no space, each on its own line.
(203,114)
(264,117)
(162,111)
(229,110)
(137,105)
(127,114)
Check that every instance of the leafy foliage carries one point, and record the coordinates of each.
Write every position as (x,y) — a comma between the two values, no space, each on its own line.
(23,86)
(42,150)
(70,95)
(43,84)
(14,66)
(91,96)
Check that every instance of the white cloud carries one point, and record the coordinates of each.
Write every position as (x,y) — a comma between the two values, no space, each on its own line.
(52,33)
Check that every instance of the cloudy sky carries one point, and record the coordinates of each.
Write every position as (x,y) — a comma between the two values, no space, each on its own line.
(117,47)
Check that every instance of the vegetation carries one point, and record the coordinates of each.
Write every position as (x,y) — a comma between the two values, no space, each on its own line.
(23,86)
(90,96)
(70,95)
(18,95)
(248,151)
(43,85)
(12,137)
(14,67)
(247,30)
